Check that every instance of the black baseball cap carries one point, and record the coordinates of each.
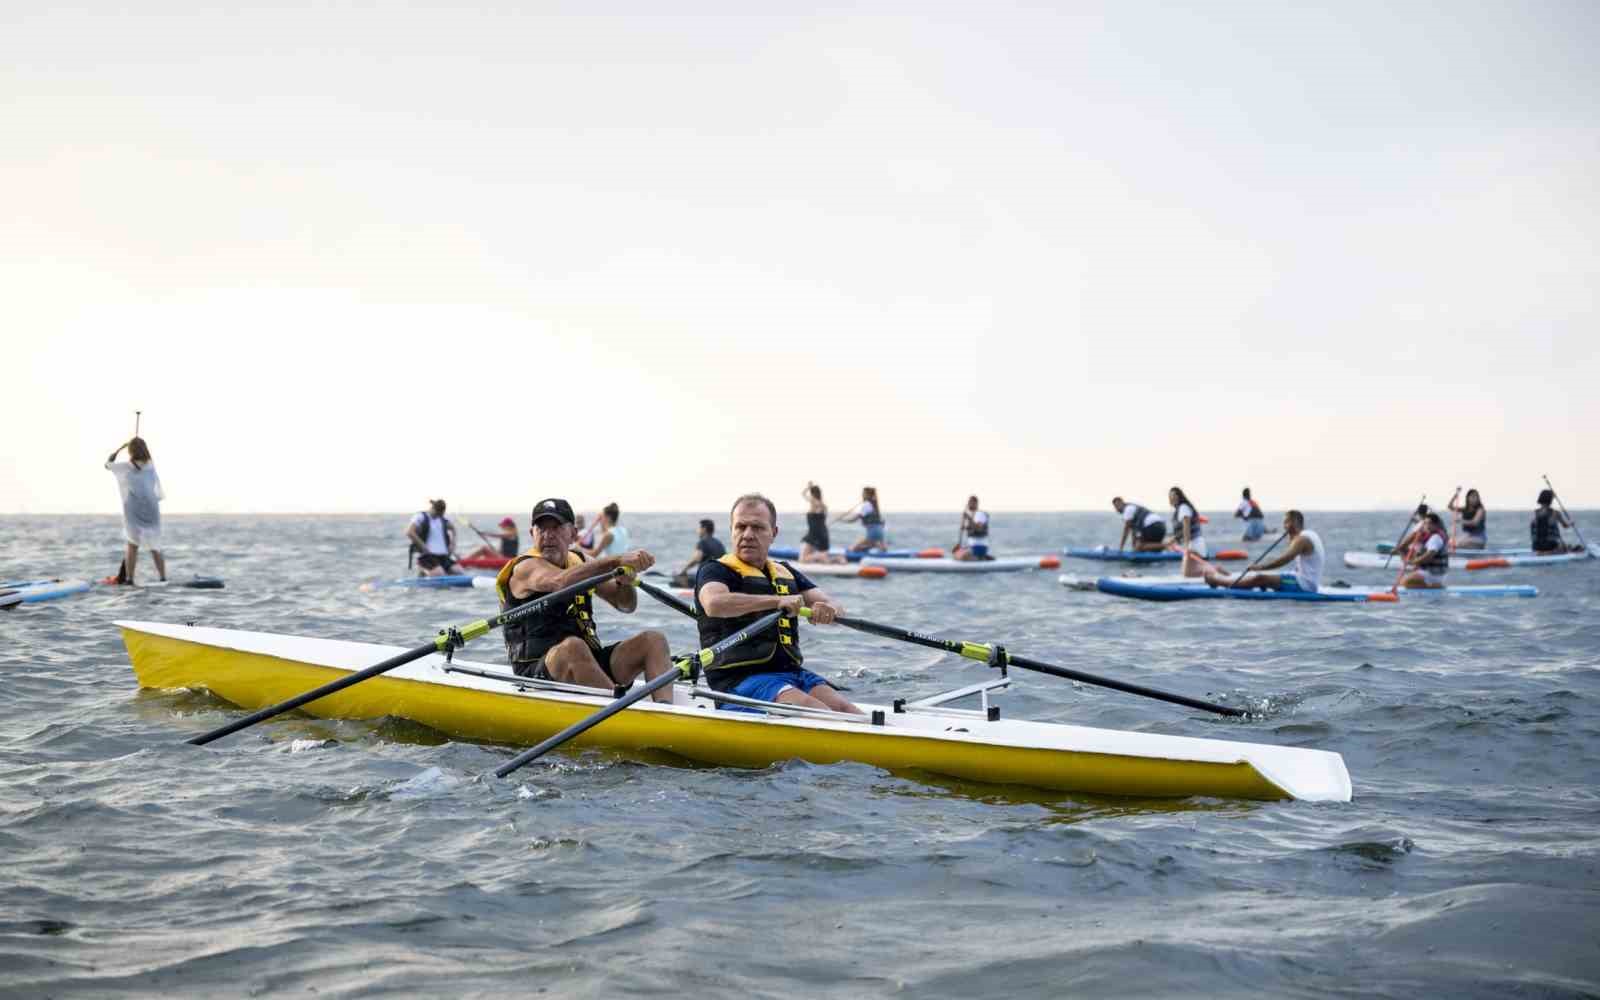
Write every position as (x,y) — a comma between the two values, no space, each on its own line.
(556,508)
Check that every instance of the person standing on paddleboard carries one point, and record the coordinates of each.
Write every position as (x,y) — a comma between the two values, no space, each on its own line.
(1255,522)
(974,543)
(433,541)
(871,517)
(815,546)
(744,586)
(565,646)
(1143,525)
(1305,551)
(141,492)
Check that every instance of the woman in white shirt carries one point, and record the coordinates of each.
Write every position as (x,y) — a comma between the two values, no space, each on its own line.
(141,492)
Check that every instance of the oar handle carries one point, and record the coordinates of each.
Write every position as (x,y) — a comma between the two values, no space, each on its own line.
(684,667)
(445,641)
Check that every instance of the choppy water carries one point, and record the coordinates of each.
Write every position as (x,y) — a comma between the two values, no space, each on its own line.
(341,859)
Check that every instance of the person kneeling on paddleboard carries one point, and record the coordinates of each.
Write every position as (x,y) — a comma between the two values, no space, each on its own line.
(1428,556)
(871,517)
(744,586)
(1148,531)
(707,548)
(1305,551)
(974,544)
(433,541)
(564,646)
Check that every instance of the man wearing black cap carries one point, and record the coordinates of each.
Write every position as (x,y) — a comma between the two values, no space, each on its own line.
(433,540)
(563,646)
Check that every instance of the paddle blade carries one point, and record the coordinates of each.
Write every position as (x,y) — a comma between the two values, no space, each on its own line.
(872,572)
(1384,598)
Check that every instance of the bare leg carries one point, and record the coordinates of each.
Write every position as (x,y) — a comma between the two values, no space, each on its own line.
(821,696)
(130,559)
(161,564)
(646,652)
(570,662)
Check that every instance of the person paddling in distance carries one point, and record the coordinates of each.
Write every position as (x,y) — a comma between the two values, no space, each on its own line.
(814,547)
(735,591)
(506,542)
(565,647)
(974,542)
(141,492)
(1427,554)
(871,517)
(707,548)
(1474,530)
(1255,522)
(1545,529)
(610,537)
(1305,553)
(433,541)
(1143,525)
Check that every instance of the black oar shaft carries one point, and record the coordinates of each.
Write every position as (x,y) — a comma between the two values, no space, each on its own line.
(1252,566)
(704,658)
(670,600)
(467,632)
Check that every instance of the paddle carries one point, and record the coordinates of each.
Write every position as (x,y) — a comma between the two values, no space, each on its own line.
(684,667)
(1403,531)
(1565,513)
(447,641)
(1455,515)
(981,652)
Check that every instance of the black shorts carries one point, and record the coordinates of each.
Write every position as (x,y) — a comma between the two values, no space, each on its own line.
(536,668)
(1153,532)
(428,560)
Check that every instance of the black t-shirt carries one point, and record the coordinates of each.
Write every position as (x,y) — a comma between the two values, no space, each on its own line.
(710,549)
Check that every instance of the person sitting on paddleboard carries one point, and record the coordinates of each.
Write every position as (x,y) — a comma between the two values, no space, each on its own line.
(1545,528)
(433,541)
(1428,554)
(610,537)
(507,542)
(141,492)
(1305,551)
(1186,532)
(871,517)
(1255,522)
(974,544)
(1143,525)
(1418,517)
(1474,529)
(743,586)
(707,548)
(814,547)
(565,646)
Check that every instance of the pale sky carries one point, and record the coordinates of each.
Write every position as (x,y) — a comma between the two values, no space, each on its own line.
(346,257)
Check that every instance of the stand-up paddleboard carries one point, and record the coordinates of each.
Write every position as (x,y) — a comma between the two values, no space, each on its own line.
(433,582)
(862,570)
(1106,553)
(1001,565)
(1199,590)
(1472,560)
(34,591)
(783,552)
(193,583)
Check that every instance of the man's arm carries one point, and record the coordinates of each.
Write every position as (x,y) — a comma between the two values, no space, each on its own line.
(538,575)
(824,609)
(1300,546)
(417,540)
(717,601)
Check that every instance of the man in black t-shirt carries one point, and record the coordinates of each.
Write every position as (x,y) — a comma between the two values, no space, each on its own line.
(706,549)
(733,592)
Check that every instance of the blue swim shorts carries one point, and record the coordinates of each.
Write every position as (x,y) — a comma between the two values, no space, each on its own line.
(767,687)
(1254,528)
(1290,584)
(875,533)
(980,549)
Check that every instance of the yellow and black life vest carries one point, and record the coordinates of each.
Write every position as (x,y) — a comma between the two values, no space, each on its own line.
(777,649)
(529,639)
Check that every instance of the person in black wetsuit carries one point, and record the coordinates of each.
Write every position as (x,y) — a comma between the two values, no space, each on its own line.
(814,547)
(563,645)
(706,549)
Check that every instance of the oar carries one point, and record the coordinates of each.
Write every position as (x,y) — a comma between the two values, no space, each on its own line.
(979,652)
(982,653)
(1455,515)
(961,532)
(1570,519)
(1403,531)
(446,641)
(136,415)
(683,667)
(486,539)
